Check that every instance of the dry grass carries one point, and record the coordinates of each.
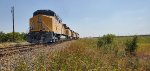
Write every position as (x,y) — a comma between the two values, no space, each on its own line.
(84,55)
(10,44)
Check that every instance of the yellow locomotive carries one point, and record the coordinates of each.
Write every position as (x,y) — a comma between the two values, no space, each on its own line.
(46,26)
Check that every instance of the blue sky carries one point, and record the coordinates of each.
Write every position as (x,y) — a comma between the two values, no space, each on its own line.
(87,17)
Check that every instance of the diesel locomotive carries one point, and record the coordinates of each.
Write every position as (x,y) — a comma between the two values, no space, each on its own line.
(46,27)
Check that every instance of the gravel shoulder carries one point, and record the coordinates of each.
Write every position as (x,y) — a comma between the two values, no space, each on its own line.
(8,62)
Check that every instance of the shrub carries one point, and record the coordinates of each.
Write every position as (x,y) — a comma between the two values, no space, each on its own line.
(2,37)
(23,36)
(9,37)
(17,36)
(131,46)
(106,39)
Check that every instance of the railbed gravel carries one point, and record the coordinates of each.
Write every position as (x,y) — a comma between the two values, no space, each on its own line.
(8,63)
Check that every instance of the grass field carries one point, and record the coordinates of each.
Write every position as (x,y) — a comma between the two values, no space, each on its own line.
(84,55)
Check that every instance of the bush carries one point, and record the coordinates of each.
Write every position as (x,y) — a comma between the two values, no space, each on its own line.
(9,37)
(2,37)
(106,39)
(131,46)
(23,36)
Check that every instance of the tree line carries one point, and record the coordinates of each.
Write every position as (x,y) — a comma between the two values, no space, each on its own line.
(8,37)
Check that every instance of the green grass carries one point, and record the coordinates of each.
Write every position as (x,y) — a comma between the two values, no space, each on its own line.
(84,55)
(144,45)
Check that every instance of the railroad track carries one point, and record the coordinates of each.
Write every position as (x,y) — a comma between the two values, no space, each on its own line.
(22,48)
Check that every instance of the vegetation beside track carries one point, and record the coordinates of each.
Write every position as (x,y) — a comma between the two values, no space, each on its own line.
(8,37)
(12,44)
(84,54)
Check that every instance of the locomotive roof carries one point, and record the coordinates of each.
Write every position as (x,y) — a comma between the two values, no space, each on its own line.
(48,13)
(44,12)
